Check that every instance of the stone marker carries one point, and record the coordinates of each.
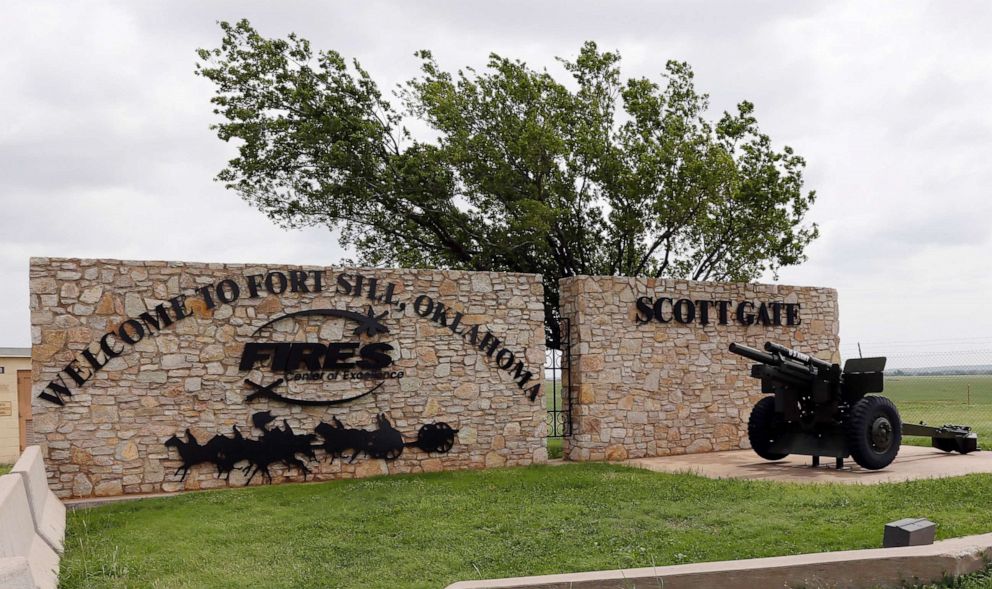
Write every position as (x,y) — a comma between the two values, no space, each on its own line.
(909,532)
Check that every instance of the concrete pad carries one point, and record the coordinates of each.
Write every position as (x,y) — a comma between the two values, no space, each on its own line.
(15,573)
(46,509)
(913,462)
(855,569)
(18,537)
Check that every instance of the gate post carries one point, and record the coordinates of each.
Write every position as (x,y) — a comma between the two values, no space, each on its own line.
(650,371)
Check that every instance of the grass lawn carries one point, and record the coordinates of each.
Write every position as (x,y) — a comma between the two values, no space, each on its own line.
(5,468)
(939,400)
(432,529)
(979,580)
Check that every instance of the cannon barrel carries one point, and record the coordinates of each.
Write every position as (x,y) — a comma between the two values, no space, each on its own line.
(797,356)
(756,355)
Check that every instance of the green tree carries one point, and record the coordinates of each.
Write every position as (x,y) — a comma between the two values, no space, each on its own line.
(523,172)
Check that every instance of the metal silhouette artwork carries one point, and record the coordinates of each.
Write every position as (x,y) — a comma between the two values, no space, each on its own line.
(282,444)
(268,392)
(369,324)
(190,452)
(435,437)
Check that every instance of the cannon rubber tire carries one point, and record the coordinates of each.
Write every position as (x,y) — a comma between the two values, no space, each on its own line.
(759,428)
(866,413)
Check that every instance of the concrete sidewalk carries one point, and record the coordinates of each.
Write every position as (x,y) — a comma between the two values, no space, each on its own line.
(913,462)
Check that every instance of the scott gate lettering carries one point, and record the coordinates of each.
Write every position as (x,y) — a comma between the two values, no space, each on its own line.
(704,312)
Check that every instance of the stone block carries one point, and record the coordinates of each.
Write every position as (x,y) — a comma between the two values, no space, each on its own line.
(909,532)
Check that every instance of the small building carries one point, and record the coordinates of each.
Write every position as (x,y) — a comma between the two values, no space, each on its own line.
(15,402)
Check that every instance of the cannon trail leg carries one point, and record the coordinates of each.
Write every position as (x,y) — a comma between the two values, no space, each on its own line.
(840,463)
(816,461)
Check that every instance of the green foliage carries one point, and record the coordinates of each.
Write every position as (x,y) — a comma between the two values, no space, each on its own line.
(978,580)
(525,173)
(429,530)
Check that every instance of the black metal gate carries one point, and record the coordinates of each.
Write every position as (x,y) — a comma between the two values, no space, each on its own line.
(559,393)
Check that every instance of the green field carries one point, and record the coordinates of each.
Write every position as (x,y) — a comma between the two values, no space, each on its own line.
(940,400)
(429,530)
(5,468)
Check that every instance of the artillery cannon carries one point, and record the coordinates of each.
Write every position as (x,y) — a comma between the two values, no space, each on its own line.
(817,409)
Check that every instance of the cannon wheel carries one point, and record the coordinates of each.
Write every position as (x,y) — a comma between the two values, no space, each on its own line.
(760,429)
(449,437)
(874,432)
(436,437)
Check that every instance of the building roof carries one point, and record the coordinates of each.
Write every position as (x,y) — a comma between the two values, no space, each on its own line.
(7,352)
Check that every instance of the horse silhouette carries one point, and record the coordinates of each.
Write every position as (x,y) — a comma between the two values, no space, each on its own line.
(338,438)
(301,443)
(276,445)
(228,451)
(190,452)
(386,441)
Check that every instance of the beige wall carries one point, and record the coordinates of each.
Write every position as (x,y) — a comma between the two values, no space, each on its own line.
(653,388)
(108,437)
(9,429)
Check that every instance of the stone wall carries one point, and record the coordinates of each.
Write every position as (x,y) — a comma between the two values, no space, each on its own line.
(463,346)
(643,387)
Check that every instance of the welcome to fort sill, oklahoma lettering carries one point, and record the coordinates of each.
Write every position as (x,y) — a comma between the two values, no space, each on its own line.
(115,343)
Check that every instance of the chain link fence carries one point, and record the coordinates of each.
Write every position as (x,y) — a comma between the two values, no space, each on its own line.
(938,383)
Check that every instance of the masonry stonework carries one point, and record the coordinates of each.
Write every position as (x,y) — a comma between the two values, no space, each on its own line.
(656,389)
(108,437)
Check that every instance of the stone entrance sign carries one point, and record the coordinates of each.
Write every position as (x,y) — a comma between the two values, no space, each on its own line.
(164,376)
(651,373)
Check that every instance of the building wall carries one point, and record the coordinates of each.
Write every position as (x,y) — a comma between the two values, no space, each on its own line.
(108,437)
(9,426)
(657,388)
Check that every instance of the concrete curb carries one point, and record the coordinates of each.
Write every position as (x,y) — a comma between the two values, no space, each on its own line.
(20,543)
(15,573)
(877,567)
(46,509)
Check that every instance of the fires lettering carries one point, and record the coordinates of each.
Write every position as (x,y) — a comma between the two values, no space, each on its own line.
(314,357)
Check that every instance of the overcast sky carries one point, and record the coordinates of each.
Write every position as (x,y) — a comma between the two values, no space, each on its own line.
(105,149)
